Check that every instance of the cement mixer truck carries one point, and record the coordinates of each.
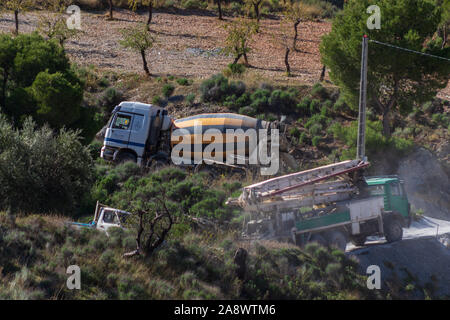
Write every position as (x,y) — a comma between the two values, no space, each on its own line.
(147,134)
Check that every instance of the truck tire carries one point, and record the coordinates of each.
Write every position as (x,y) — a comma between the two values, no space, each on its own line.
(337,239)
(358,240)
(393,230)
(319,239)
(125,157)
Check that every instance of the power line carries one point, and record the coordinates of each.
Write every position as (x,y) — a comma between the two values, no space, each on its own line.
(409,50)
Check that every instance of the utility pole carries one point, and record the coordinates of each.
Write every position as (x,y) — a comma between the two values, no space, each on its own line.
(361,143)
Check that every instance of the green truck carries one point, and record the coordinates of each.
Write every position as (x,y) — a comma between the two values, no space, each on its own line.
(332,205)
(385,211)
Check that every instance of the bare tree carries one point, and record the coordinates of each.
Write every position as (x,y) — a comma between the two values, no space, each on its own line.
(219,7)
(297,12)
(17,6)
(111,7)
(284,40)
(153,226)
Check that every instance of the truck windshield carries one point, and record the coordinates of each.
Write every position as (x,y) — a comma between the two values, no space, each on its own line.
(122,122)
(376,190)
(108,216)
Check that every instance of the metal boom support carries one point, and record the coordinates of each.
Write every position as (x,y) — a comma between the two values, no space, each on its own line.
(361,144)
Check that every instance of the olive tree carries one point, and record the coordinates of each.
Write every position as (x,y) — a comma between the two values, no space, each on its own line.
(398,80)
(140,40)
(150,4)
(297,12)
(254,5)
(53,24)
(42,171)
(240,33)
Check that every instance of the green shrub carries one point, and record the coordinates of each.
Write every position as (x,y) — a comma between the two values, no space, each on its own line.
(183,82)
(248,111)
(315,141)
(295,132)
(302,138)
(194,4)
(236,68)
(303,106)
(167,90)
(318,90)
(55,168)
(315,129)
(283,101)
(314,106)
(157,100)
(218,88)
(190,98)
(110,98)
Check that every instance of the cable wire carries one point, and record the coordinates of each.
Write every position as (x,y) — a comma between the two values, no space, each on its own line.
(409,50)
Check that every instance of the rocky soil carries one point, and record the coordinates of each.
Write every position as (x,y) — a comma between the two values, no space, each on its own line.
(189,44)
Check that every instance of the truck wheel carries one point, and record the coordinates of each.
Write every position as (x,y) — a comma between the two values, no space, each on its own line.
(337,239)
(319,239)
(125,157)
(393,230)
(358,240)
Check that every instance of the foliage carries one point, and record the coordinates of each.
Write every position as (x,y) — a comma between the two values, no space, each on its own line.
(58,99)
(193,266)
(240,33)
(190,98)
(218,87)
(38,81)
(54,26)
(375,141)
(138,39)
(167,90)
(55,168)
(398,80)
(183,82)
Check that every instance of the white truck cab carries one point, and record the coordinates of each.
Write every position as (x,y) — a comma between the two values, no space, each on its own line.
(110,217)
(136,131)
(104,218)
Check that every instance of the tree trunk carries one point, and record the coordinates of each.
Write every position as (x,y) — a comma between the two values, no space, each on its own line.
(322,74)
(219,6)
(5,82)
(294,44)
(386,123)
(16,17)
(286,62)
(245,59)
(150,14)
(256,7)
(236,59)
(110,9)
(444,36)
(144,61)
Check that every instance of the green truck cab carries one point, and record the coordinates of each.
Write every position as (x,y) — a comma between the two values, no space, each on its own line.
(393,191)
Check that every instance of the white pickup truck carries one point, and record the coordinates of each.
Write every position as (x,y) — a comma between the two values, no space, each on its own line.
(104,218)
